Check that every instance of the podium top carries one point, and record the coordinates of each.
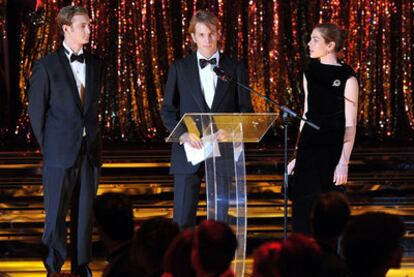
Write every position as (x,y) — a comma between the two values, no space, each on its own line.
(253,126)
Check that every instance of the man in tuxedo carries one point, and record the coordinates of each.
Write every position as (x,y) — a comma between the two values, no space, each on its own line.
(63,110)
(193,87)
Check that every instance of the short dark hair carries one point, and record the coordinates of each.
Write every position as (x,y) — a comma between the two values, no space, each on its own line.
(114,215)
(66,14)
(370,239)
(266,259)
(331,32)
(177,258)
(330,215)
(300,256)
(152,239)
(215,243)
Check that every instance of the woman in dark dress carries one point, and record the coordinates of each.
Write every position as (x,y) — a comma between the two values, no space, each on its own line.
(331,102)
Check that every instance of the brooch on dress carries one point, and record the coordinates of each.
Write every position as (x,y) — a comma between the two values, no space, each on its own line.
(336,83)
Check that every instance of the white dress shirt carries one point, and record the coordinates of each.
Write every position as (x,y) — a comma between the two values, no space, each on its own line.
(208,78)
(78,69)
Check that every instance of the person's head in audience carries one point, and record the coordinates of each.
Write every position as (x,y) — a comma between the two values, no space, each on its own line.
(266,259)
(214,247)
(300,257)
(177,259)
(371,244)
(330,215)
(114,218)
(150,243)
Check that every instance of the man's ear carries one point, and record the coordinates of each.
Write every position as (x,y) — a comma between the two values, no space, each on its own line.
(193,37)
(65,28)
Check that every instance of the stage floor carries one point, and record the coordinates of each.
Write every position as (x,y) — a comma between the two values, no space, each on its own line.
(381,179)
(34,268)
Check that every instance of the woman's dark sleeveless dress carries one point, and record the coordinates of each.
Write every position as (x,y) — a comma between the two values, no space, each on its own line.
(318,152)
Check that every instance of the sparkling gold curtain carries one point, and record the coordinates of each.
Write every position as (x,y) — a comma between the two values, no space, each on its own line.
(138,39)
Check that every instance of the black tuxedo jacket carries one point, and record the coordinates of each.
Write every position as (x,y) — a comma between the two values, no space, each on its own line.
(183,94)
(56,113)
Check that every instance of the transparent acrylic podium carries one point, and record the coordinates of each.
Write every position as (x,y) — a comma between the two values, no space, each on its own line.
(223,136)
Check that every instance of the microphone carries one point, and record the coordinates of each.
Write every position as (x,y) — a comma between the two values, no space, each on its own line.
(227,78)
(222,74)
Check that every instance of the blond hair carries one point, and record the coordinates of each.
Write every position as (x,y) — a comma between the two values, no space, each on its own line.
(206,17)
(66,14)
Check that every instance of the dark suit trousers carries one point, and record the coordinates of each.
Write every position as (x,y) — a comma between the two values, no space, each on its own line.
(60,186)
(186,196)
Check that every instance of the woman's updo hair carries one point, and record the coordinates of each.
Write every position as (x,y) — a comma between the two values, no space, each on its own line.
(331,32)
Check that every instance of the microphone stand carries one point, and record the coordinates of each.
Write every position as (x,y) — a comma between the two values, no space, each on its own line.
(286,113)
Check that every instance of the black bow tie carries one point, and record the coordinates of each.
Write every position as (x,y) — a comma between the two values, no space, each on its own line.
(204,62)
(80,58)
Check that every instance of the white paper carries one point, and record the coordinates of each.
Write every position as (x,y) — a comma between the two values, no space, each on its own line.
(196,156)
(238,149)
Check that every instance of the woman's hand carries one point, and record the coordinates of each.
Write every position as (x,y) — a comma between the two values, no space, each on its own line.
(291,166)
(341,174)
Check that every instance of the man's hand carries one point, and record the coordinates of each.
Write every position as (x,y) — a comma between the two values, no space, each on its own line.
(192,139)
(222,136)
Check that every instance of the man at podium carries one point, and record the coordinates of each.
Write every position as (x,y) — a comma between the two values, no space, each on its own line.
(193,87)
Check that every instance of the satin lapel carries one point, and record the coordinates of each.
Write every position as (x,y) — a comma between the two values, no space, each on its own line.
(89,82)
(221,85)
(71,79)
(195,83)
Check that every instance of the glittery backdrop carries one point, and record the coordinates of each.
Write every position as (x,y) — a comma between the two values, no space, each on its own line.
(4,86)
(138,39)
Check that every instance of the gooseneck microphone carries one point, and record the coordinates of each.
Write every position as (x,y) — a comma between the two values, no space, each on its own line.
(222,74)
(227,78)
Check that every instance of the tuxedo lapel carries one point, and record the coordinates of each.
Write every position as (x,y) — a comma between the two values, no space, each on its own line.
(69,75)
(195,83)
(89,82)
(221,85)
